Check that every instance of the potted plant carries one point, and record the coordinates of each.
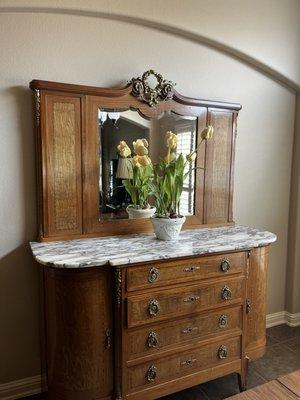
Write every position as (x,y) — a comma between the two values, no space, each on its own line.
(138,183)
(167,185)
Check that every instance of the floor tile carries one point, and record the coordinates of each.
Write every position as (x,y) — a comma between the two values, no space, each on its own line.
(194,393)
(278,360)
(293,344)
(221,388)
(271,341)
(283,332)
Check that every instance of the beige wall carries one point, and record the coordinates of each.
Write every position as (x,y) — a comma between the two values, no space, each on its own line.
(104,52)
(293,266)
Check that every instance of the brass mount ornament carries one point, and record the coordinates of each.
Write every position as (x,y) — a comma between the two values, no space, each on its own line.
(162,91)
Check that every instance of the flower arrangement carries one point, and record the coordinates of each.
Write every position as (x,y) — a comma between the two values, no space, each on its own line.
(138,184)
(170,173)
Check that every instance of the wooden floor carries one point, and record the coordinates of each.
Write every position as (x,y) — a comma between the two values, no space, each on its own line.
(283,388)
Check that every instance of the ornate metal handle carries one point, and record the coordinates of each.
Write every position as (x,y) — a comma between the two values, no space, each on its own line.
(223,321)
(189,329)
(248,306)
(151,373)
(191,299)
(153,307)
(108,338)
(189,361)
(222,352)
(152,340)
(226,293)
(153,275)
(225,265)
(192,268)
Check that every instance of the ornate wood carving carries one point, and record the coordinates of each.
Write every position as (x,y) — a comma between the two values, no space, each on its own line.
(152,96)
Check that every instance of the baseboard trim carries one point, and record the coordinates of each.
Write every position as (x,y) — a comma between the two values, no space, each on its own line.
(21,388)
(36,384)
(283,317)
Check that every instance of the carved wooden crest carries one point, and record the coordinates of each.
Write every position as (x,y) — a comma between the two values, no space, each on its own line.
(142,89)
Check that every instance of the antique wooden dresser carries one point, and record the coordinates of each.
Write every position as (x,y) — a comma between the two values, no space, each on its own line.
(128,316)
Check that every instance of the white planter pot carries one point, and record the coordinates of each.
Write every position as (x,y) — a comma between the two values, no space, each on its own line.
(167,228)
(139,213)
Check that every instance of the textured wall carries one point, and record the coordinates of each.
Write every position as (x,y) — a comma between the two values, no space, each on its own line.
(102,52)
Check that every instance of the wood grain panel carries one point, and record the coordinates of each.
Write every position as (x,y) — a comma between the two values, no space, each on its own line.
(184,271)
(79,353)
(181,364)
(219,161)
(181,331)
(255,340)
(63,190)
(291,382)
(182,301)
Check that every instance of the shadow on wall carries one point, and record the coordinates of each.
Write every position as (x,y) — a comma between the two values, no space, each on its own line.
(19,275)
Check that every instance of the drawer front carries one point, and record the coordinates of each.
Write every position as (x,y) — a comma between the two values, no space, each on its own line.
(166,273)
(172,303)
(181,364)
(147,341)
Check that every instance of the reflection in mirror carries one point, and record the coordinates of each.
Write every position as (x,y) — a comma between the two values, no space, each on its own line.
(128,126)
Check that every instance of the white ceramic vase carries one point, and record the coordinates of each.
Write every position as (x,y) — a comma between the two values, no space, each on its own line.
(140,213)
(167,228)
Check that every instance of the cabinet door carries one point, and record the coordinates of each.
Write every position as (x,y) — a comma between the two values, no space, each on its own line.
(219,167)
(79,334)
(256,303)
(62,178)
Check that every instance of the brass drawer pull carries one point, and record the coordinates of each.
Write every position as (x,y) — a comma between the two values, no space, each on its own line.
(191,299)
(225,265)
(189,330)
(108,339)
(189,361)
(151,373)
(223,321)
(153,275)
(152,340)
(153,307)
(222,352)
(226,293)
(193,268)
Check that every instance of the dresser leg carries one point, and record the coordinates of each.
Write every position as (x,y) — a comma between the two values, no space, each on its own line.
(242,377)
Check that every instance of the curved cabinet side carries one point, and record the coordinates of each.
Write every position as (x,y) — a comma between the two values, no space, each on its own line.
(78,314)
(256,297)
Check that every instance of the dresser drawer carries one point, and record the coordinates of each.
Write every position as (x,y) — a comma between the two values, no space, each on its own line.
(147,341)
(166,273)
(181,364)
(149,308)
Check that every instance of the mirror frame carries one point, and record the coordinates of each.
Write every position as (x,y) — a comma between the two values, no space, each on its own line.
(132,96)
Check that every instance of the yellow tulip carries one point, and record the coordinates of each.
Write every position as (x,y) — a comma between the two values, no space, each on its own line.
(191,157)
(170,157)
(141,161)
(123,149)
(140,147)
(171,140)
(207,132)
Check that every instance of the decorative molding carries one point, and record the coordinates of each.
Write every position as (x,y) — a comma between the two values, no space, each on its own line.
(283,317)
(22,387)
(118,286)
(162,91)
(37,98)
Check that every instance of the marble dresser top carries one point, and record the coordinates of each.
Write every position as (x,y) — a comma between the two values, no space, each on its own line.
(130,249)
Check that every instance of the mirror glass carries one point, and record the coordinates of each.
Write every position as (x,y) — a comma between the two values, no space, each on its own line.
(128,126)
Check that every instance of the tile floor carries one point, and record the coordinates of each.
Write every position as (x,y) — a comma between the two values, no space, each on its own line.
(282,357)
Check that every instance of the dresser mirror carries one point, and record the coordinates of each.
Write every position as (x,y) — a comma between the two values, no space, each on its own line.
(116,125)
(80,171)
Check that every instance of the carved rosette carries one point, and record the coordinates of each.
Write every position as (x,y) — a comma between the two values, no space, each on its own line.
(152,96)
